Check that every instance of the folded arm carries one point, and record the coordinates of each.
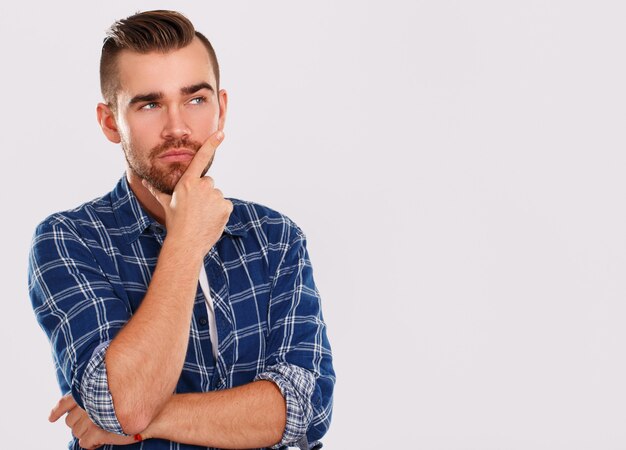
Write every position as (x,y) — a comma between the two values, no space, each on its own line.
(249,416)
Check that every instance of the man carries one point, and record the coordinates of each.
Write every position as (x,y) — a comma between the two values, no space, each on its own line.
(178,318)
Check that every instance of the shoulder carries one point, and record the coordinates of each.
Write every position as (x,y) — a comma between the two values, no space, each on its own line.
(258,217)
(65,240)
(266,234)
(76,220)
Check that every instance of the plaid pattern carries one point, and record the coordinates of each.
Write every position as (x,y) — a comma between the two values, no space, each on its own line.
(90,267)
(297,393)
(95,392)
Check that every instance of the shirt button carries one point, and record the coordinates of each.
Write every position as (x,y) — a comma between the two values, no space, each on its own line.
(203,321)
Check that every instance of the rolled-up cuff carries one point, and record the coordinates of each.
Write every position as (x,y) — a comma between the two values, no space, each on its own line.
(296,385)
(95,392)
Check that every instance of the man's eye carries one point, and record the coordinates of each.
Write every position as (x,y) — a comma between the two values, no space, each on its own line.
(150,105)
(197,100)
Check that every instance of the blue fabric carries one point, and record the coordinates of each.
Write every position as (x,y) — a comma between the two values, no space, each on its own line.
(90,267)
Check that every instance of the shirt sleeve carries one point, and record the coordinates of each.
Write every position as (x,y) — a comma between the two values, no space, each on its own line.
(299,357)
(77,307)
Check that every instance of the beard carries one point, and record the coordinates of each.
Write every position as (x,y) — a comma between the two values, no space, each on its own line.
(162,176)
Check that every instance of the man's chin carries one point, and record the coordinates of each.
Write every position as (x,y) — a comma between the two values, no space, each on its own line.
(165,179)
(164,184)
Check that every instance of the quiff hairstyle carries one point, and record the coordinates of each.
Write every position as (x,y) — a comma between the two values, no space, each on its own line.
(145,32)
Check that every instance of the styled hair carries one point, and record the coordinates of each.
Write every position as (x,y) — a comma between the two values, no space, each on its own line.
(144,32)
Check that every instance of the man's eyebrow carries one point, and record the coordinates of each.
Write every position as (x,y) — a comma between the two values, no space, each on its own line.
(196,87)
(155,96)
(150,97)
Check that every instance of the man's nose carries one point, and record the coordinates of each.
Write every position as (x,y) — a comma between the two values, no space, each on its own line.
(175,125)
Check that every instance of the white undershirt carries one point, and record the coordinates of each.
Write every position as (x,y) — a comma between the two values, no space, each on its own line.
(204,284)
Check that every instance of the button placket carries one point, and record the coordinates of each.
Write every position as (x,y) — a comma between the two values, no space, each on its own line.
(223,317)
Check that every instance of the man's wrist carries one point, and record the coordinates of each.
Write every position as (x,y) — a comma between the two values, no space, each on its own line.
(183,250)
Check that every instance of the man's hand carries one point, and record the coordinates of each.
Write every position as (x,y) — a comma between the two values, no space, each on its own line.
(89,435)
(196,212)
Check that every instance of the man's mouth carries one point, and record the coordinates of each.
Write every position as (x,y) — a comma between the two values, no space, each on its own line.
(177,154)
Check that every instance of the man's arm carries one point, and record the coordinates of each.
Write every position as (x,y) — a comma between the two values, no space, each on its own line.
(78,307)
(248,416)
(144,361)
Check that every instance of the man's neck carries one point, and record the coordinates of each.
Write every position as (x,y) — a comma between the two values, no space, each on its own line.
(146,199)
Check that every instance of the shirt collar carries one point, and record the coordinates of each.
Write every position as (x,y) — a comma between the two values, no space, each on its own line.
(133,220)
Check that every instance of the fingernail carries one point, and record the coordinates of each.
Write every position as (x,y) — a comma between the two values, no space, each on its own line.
(219,136)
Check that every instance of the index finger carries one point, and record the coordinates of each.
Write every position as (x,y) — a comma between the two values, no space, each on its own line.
(67,403)
(203,156)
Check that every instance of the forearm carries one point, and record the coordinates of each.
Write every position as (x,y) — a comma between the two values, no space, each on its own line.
(145,359)
(248,416)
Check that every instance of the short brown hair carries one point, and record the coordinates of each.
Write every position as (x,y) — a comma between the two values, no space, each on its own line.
(145,32)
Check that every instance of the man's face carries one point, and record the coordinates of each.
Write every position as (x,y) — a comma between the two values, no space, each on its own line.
(167,106)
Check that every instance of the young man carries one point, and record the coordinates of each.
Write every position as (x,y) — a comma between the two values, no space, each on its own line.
(178,318)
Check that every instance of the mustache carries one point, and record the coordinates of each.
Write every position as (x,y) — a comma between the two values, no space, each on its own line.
(174,143)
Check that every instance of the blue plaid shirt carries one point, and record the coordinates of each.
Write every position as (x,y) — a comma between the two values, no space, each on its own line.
(90,267)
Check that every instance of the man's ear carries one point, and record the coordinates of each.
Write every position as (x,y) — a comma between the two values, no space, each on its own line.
(222,97)
(107,122)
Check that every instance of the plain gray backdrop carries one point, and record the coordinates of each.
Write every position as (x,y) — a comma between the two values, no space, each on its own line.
(457,166)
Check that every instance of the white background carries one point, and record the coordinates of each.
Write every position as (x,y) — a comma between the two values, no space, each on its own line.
(458,167)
